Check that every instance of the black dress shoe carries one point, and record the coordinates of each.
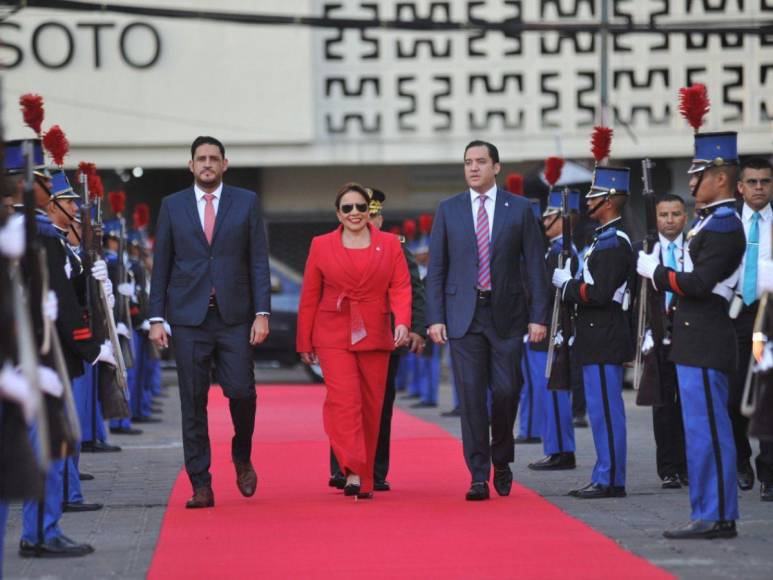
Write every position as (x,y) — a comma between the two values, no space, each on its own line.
(478,491)
(521,440)
(351,489)
(703,530)
(580,421)
(671,482)
(81,507)
(423,405)
(455,412)
(364,495)
(745,477)
(555,462)
(503,480)
(60,547)
(766,491)
(98,447)
(337,481)
(85,477)
(125,431)
(596,491)
(146,420)
(381,486)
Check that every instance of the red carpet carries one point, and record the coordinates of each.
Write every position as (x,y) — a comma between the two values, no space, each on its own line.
(297,527)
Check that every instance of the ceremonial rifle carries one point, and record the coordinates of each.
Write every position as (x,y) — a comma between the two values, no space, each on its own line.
(122,303)
(558,371)
(114,404)
(646,377)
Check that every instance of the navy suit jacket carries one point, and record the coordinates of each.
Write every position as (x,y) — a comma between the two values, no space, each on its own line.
(517,262)
(186,268)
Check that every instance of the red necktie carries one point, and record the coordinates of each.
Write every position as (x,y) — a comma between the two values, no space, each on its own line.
(484,246)
(209,217)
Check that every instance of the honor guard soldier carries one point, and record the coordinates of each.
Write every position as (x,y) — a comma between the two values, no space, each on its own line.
(755,185)
(704,341)
(603,330)
(671,218)
(558,430)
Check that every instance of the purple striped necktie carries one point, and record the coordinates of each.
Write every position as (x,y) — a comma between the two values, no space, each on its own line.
(484,246)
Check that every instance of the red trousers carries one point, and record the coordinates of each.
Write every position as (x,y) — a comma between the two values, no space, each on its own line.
(356,382)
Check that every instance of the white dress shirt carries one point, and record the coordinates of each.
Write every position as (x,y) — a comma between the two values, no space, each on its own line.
(765,222)
(201,203)
(490,201)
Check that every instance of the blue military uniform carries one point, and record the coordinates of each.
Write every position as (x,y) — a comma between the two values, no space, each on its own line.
(704,348)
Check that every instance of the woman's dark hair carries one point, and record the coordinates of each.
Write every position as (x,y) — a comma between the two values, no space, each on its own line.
(352,186)
(206,140)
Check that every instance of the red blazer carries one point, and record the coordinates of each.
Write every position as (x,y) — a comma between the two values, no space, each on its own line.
(341,309)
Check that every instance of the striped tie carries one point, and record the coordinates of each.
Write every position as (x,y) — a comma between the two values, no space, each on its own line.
(484,246)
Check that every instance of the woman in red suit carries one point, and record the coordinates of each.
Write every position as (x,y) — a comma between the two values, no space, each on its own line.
(356,277)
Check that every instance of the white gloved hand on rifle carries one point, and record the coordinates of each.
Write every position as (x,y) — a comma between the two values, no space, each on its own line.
(562,275)
(126,289)
(123,330)
(49,382)
(99,271)
(648,343)
(648,263)
(12,241)
(106,354)
(51,306)
(109,292)
(14,387)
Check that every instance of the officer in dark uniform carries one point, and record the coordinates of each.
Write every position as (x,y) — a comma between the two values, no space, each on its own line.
(704,341)
(603,330)
(558,430)
(416,346)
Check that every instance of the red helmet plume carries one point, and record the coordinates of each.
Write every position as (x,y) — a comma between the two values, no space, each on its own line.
(56,143)
(694,104)
(117,201)
(96,189)
(141,216)
(601,143)
(514,183)
(409,228)
(425,223)
(32,111)
(553,168)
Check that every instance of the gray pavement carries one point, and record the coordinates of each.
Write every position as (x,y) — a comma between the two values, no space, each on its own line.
(134,485)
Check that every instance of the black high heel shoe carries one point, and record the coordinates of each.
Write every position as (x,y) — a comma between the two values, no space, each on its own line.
(352,489)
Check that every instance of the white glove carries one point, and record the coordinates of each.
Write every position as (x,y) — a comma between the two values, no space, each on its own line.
(647,263)
(123,330)
(12,241)
(126,289)
(562,275)
(14,387)
(49,382)
(51,306)
(145,326)
(106,354)
(167,328)
(767,359)
(648,343)
(765,276)
(99,271)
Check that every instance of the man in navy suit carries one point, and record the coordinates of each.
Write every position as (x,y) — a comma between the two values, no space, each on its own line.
(211,282)
(486,249)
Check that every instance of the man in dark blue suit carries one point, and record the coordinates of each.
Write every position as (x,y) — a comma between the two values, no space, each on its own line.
(211,282)
(485,248)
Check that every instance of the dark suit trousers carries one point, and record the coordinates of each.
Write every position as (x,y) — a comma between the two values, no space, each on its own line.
(744,327)
(667,422)
(479,359)
(381,467)
(214,345)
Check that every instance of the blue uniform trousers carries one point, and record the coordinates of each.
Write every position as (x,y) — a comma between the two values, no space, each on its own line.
(32,527)
(404,372)
(417,372)
(92,422)
(711,460)
(532,402)
(558,429)
(604,396)
(3,521)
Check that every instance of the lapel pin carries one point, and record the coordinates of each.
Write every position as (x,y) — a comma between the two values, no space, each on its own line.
(507,204)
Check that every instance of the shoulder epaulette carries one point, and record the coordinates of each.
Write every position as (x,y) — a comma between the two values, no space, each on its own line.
(45,228)
(724,220)
(607,240)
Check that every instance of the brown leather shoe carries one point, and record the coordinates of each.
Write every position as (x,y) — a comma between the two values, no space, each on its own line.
(202,498)
(246,478)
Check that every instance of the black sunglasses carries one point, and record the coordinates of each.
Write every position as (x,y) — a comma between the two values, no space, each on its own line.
(348,207)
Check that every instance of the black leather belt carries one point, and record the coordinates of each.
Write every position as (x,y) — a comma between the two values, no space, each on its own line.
(484,296)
